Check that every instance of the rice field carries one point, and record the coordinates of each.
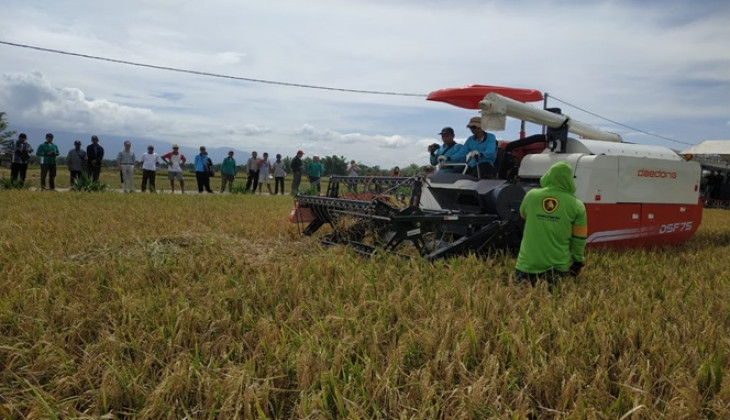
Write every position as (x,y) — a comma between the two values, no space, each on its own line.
(168,306)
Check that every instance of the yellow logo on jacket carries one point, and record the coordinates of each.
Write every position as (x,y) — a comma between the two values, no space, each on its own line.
(549,204)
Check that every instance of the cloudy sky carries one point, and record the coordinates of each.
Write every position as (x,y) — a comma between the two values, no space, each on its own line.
(657,66)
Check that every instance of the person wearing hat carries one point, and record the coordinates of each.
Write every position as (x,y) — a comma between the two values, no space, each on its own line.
(174,161)
(479,151)
(76,161)
(150,160)
(202,175)
(443,154)
(20,159)
(48,152)
(297,168)
(94,156)
(228,172)
(125,163)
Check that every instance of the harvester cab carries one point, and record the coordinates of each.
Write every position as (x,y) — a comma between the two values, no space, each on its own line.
(635,195)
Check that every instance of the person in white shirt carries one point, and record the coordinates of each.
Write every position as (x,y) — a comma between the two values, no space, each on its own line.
(125,163)
(252,165)
(352,170)
(279,174)
(264,171)
(174,161)
(150,160)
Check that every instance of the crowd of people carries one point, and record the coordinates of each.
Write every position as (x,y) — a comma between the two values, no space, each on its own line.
(78,160)
(478,154)
(88,161)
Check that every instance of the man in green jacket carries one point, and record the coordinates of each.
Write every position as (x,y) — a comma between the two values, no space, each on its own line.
(48,152)
(228,172)
(556,226)
(314,170)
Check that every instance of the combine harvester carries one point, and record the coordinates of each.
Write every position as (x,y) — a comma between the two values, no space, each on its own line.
(635,195)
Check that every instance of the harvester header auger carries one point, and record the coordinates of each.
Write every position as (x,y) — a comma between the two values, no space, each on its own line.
(635,195)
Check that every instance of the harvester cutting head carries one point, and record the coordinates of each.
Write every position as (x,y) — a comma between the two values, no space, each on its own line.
(447,215)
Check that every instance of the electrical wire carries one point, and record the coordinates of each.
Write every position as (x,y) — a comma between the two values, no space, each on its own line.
(203,73)
(618,123)
(298,85)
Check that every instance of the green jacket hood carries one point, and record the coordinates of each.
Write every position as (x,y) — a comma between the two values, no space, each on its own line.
(559,177)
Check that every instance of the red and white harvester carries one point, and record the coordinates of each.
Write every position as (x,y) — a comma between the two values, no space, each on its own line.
(635,195)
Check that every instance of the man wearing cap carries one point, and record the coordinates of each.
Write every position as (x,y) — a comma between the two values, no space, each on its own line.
(125,163)
(174,161)
(479,151)
(48,152)
(20,159)
(150,160)
(76,161)
(444,154)
(94,156)
(296,168)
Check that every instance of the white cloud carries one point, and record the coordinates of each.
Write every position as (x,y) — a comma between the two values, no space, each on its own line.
(374,142)
(312,134)
(380,141)
(252,130)
(33,99)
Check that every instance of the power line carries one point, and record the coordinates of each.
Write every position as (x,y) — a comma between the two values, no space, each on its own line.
(203,73)
(618,123)
(299,85)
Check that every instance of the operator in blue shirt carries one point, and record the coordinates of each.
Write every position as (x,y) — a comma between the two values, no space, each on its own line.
(479,151)
(441,154)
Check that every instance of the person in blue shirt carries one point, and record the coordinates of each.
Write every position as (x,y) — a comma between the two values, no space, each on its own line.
(447,150)
(479,151)
(202,171)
